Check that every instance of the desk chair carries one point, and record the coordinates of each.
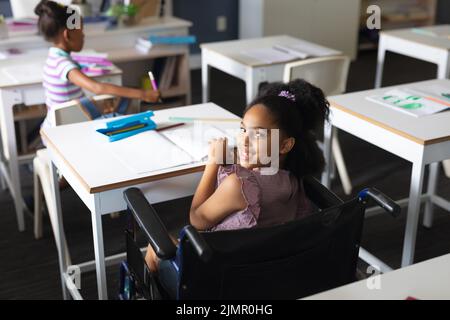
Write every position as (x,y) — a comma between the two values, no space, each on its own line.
(66,113)
(330,74)
(287,261)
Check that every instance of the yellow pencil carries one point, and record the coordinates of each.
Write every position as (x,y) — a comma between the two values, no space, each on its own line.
(139,126)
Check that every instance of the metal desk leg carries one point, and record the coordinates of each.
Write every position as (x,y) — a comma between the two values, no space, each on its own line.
(206,78)
(339,162)
(429,206)
(444,73)
(251,84)
(60,237)
(99,250)
(413,213)
(7,101)
(380,62)
(327,143)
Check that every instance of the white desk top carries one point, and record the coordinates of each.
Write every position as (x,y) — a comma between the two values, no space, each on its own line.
(119,43)
(423,130)
(35,65)
(232,49)
(147,25)
(442,42)
(428,280)
(88,154)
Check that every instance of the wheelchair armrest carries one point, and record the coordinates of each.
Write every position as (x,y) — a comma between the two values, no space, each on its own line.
(198,243)
(320,195)
(150,223)
(382,200)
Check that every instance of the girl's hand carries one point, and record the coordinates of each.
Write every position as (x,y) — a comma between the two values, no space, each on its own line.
(217,151)
(151,96)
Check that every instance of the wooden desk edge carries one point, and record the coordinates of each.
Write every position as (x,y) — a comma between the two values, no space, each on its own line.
(391,129)
(124,184)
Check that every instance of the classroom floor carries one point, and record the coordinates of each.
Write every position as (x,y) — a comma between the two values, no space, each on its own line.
(29,267)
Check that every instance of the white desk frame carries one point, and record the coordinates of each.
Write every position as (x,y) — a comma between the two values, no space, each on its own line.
(427,280)
(28,93)
(417,141)
(423,47)
(101,186)
(226,57)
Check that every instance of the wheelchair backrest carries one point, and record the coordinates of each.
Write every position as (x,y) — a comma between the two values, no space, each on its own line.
(287,261)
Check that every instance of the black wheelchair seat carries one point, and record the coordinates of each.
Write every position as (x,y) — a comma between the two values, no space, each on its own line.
(287,261)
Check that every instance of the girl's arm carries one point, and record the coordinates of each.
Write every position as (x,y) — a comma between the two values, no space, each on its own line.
(80,79)
(210,206)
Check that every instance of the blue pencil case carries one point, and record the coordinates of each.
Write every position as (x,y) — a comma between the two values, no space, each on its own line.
(129,126)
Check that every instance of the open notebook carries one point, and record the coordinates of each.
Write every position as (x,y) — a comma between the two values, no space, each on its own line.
(414,102)
(155,151)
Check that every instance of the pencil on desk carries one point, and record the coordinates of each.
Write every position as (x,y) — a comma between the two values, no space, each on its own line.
(194,119)
(170,127)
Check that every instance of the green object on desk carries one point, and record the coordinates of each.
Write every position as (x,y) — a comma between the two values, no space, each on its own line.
(139,126)
(411,106)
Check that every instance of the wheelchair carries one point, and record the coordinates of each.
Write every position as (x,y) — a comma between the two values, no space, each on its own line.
(287,261)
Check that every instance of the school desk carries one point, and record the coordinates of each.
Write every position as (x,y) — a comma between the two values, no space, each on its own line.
(228,57)
(119,43)
(423,141)
(83,157)
(427,280)
(22,84)
(430,44)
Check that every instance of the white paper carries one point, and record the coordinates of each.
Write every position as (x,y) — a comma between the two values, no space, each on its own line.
(147,152)
(269,55)
(436,91)
(410,102)
(194,138)
(296,52)
(311,49)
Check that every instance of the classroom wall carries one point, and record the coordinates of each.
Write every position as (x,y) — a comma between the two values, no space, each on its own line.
(203,14)
(5,8)
(443,12)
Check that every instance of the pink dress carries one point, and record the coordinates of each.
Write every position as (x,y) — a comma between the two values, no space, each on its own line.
(271,199)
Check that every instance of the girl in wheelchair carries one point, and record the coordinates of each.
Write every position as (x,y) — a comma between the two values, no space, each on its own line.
(240,196)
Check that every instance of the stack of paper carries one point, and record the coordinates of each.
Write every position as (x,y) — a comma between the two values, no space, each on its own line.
(93,63)
(304,49)
(269,55)
(143,45)
(412,102)
(298,50)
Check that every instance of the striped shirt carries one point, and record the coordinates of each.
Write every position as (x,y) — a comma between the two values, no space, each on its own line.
(58,88)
